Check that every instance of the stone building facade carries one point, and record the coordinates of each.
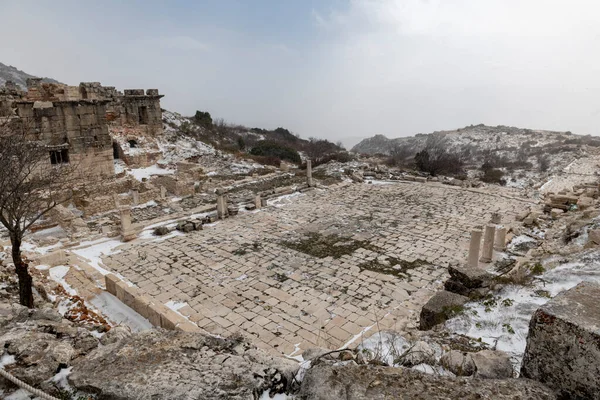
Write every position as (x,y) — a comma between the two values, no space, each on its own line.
(80,124)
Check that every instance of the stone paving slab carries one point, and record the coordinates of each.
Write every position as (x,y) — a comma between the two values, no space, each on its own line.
(240,275)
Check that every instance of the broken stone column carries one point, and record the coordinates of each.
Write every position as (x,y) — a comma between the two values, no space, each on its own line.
(488,244)
(221,204)
(563,344)
(135,195)
(496,218)
(127,231)
(116,200)
(309,180)
(474,248)
(500,241)
(257,202)
(163,192)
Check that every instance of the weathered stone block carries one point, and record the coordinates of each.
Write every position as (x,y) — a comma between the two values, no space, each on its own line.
(563,345)
(440,307)
(155,312)
(121,289)
(110,281)
(187,326)
(140,305)
(129,295)
(471,278)
(170,319)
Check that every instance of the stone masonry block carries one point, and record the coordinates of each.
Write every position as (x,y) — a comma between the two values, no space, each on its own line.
(155,312)
(187,326)
(563,344)
(140,305)
(121,290)
(110,281)
(170,319)
(129,296)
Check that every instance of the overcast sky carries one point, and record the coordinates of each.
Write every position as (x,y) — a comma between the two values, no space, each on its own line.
(334,69)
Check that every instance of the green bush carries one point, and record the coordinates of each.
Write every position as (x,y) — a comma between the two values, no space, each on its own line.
(204,119)
(271,149)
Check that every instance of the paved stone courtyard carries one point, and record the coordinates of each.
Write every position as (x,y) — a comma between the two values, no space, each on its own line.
(317,269)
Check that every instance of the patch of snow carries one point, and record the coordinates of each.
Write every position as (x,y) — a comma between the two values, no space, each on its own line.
(57,274)
(279,396)
(151,203)
(7,359)
(504,322)
(119,314)
(60,379)
(93,252)
(385,346)
(175,305)
(153,170)
(20,394)
(284,200)
(120,166)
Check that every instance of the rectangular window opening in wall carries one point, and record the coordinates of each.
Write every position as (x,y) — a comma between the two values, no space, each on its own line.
(59,156)
(143,115)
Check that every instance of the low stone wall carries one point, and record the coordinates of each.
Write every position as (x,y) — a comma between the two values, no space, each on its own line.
(563,345)
(53,259)
(158,314)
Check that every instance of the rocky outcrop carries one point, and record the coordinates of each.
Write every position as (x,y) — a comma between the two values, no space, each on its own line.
(466,281)
(486,364)
(563,345)
(41,342)
(440,308)
(161,364)
(326,382)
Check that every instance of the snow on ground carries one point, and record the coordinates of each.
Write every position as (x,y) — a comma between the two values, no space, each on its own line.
(94,251)
(504,320)
(145,173)
(20,394)
(283,200)
(175,305)
(278,396)
(118,313)
(7,359)
(57,274)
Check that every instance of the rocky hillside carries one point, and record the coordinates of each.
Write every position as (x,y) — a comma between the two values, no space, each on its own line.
(10,73)
(480,136)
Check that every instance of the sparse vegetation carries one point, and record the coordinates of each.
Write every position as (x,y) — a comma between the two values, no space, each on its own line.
(436,157)
(273,149)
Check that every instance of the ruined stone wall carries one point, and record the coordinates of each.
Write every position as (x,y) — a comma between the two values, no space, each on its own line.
(137,109)
(79,127)
(8,95)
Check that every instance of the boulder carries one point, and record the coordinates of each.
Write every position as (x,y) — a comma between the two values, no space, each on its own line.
(419,353)
(365,382)
(458,362)
(115,334)
(464,280)
(563,344)
(161,231)
(594,236)
(159,364)
(440,308)
(492,364)
(585,202)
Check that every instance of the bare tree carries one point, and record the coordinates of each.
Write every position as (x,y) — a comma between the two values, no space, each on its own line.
(29,188)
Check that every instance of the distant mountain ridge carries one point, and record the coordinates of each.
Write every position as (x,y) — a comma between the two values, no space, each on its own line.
(480,136)
(10,73)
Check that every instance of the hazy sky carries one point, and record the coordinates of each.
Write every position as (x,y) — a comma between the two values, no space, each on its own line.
(330,68)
